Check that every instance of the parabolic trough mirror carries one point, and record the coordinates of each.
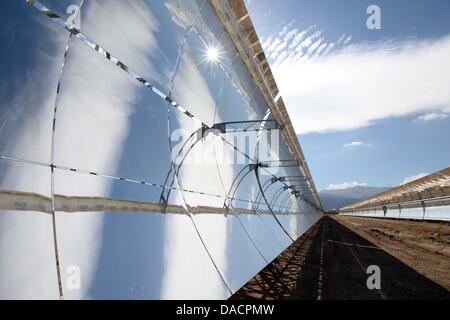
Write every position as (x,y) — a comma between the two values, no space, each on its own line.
(144,152)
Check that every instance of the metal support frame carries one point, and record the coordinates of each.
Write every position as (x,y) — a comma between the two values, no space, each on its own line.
(278,193)
(268,205)
(423,208)
(225,127)
(265,187)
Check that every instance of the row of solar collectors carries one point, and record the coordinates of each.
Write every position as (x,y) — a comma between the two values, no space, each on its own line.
(418,213)
(108,125)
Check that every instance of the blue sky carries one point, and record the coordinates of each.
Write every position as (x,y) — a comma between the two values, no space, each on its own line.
(370,107)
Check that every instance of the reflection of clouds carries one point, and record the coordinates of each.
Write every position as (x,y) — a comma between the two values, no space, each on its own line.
(127,29)
(181,237)
(28,90)
(190,89)
(293,225)
(181,18)
(189,273)
(27,266)
(96,102)
(28,269)
(93,123)
(29,118)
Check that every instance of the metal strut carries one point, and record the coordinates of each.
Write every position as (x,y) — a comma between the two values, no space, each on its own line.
(174,169)
(231,126)
(277,194)
(268,205)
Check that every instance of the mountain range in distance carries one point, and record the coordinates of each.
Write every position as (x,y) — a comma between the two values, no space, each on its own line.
(338,198)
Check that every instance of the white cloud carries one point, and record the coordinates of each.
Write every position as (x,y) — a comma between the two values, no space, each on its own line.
(329,48)
(341,39)
(313,47)
(272,45)
(347,40)
(357,84)
(290,35)
(309,40)
(286,29)
(299,37)
(432,116)
(345,185)
(413,177)
(321,48)
(355,144)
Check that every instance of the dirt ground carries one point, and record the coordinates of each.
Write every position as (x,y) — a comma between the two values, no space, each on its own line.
(330,261)
(422,245)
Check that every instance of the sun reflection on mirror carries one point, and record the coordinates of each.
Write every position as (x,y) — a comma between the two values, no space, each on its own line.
(212,54)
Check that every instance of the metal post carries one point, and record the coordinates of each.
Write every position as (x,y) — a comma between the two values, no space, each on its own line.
(423,207)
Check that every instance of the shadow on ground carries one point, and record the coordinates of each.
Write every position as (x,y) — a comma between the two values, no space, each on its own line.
(329,262)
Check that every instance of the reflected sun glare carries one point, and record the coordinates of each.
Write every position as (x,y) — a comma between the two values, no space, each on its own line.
(212,54)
